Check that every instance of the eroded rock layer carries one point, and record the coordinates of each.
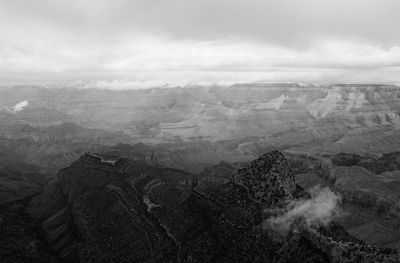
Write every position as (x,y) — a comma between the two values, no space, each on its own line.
(104,208)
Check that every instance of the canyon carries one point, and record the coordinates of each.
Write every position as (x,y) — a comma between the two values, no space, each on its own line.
(73,160)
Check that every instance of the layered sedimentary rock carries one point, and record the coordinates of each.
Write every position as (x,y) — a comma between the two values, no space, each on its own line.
(213,113)
(220,173)
(99,209)
(368,186)
(106,208)
(201,126)
(56,146)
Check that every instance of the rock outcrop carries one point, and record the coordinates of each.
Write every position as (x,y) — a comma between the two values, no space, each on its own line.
(368,186)
(268,179)
(105,208)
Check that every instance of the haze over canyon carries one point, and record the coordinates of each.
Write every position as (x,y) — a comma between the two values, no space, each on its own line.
(196,131)
(61,146)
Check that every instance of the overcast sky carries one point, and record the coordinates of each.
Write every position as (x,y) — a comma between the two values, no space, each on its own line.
(182,41)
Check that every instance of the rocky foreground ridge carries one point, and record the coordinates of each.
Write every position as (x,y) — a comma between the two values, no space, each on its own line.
(104,208)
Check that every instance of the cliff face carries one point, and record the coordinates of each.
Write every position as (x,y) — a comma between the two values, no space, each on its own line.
(368,186)
(200,126)
(100,209)
(55,146)
(216,113)
(105,208)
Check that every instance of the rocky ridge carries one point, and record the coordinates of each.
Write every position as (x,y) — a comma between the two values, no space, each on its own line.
(105,208)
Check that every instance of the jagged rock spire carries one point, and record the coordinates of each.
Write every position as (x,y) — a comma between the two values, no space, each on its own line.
(268,179)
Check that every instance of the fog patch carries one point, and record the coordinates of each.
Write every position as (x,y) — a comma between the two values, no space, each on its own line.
(319,210)
(19,106)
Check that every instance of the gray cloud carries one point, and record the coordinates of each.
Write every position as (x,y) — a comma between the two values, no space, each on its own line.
(305,37)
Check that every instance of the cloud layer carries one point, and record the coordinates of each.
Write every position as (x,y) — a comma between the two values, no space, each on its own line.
(141,40)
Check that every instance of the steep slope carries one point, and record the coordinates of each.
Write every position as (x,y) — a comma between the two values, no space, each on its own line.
(20,239)
(369,189)
(106,208)
(55,146)
(100,209)
(18,178)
